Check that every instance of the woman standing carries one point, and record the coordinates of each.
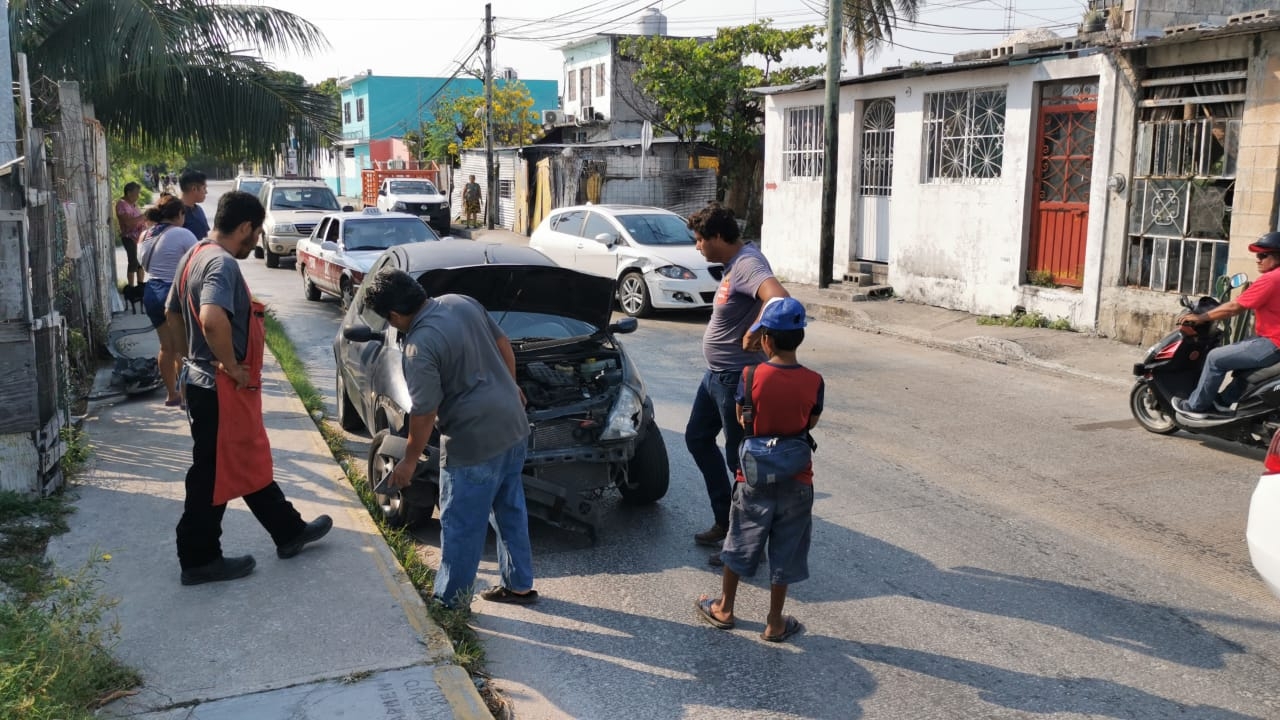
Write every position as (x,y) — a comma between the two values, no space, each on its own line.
(130,219)
(162,247)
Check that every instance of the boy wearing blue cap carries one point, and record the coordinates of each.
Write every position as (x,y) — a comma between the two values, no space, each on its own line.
(787,400)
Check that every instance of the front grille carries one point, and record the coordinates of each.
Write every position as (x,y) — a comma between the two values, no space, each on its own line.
(555,434)
(305,229)
(708,297)
(421,208)
(717,272)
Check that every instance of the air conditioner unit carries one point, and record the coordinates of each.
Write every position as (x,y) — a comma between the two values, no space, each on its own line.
(588,114)
(552,117)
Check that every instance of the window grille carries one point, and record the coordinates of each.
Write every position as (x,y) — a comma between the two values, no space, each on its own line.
(877,148)
(505,188)
(600,80)
(346,112)
(964,135)
(359,109)
(802,155)
(572,82)
(1183,188)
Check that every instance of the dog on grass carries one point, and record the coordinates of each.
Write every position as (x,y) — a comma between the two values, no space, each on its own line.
(133,296)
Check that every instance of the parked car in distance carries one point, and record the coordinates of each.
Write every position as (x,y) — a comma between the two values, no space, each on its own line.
(294,207)
(416,196)
(1263,529)
(650,251)
(591,421)
(335,258)
(250,183)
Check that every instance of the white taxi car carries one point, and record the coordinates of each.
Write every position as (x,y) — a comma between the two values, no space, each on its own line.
(650,251)
(343,246)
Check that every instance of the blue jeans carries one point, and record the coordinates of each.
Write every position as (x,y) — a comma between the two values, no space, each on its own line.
(471,498)
(714,409)
(1248,354)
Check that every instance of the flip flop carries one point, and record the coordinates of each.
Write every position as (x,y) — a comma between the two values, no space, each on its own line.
(791,628)
(703,606)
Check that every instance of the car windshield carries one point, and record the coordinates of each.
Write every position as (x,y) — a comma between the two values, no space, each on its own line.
(530,326)
(382,233)
(657,229)
(303,198)
(413,187)
(251,186)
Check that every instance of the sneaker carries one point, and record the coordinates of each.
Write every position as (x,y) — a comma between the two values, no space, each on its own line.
(1180,405)
(714,560)
(1223,409)
(712,536)
(224,568)
(314,530)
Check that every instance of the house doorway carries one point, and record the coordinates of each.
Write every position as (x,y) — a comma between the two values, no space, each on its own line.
(875,184)
(1064,168)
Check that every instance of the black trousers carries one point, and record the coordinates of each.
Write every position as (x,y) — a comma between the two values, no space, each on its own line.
(200,529)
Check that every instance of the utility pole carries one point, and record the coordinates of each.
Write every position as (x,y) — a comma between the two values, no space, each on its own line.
(491,209)
(831,154)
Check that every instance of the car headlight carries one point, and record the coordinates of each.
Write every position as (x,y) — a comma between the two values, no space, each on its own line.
(398,207)
(281,228)
(624,418)
(675,272)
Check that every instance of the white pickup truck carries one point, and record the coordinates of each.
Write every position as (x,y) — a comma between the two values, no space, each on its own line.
(415,196)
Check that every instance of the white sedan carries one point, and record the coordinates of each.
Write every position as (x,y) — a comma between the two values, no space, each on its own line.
(650,251)
(1263,532)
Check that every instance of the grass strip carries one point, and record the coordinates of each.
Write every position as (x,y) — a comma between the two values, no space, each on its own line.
(466,644)
(55,648)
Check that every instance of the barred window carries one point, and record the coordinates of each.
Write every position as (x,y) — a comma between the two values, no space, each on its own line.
(964,134)
(600,80)
(572,82)
(359,109)
(802,156)
(506,188)
(346,112)
(1184,172)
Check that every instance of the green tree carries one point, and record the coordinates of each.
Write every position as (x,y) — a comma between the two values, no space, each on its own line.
(175,74)
(700,90)
(458,122)
(869,24)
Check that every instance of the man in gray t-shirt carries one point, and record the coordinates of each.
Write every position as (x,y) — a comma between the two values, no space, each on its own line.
(460,370)
(728,346)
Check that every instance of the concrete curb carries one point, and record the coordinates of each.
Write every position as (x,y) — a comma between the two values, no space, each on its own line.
(454,682)
(997,350)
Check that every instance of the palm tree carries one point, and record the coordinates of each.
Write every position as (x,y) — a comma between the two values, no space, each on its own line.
(178,74)
(869,24)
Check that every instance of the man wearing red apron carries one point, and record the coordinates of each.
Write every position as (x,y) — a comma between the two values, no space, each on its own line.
(222,382)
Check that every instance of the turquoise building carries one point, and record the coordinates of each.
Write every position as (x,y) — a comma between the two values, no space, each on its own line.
(377,109)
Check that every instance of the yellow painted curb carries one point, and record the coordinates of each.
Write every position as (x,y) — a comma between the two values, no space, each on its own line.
(461,693)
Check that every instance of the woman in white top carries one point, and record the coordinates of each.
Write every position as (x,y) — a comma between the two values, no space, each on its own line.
(160,249)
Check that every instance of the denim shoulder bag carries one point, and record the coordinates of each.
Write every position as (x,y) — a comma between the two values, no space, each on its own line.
(769,459)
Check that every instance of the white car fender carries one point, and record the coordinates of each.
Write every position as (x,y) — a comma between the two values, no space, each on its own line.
(1263,530)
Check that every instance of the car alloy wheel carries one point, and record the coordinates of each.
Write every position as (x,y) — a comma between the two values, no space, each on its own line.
(633,295)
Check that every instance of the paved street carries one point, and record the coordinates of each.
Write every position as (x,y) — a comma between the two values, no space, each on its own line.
(990,541)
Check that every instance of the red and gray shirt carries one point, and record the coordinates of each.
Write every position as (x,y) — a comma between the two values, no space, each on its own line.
(734,310)
(784,398)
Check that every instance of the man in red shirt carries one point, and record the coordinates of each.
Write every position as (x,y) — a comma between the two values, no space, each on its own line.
(1263,298)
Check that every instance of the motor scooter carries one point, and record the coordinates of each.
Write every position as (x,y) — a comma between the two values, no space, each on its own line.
(1172,368)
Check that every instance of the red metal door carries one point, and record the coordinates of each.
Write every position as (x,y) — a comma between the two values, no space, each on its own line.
(1060,211)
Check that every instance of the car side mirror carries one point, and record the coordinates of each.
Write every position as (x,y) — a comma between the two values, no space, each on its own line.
(362,333)
(382,191)
(329,245)
(624,326)
(606,239)
(1239,279)
(348,208)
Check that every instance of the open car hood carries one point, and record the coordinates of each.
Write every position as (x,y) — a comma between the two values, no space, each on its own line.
(528,288)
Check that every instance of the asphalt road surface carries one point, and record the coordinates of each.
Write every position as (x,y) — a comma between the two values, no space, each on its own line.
(989,542)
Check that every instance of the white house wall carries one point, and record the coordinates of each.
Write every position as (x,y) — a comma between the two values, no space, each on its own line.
(959,245)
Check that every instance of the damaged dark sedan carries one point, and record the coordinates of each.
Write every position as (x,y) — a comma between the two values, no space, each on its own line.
(591,422)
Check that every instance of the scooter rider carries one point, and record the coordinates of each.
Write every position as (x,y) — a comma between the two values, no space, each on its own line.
(1263,298)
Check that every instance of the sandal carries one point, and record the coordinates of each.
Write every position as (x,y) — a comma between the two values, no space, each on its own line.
(503,595)
(790,628)
(703,606)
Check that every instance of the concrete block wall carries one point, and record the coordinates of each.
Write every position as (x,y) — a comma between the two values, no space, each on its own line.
(1254,210)
(1153,16)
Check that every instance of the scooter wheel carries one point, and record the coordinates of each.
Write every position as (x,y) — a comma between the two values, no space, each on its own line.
(1149,411)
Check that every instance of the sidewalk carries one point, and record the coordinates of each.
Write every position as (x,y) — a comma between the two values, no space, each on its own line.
(337,632)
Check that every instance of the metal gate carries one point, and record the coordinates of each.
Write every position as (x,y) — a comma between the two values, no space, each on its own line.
(875,186)
(1060,210)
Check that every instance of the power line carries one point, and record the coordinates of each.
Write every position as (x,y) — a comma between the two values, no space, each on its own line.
(592,29)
